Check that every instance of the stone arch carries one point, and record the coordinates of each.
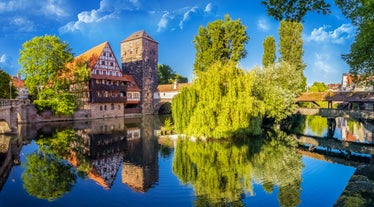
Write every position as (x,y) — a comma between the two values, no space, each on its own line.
(163,108)
(4,126)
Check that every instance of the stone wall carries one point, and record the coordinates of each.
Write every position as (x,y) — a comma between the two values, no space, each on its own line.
(103,110)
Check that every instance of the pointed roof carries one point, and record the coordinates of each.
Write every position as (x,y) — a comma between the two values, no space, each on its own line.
(138,35)
(95,51)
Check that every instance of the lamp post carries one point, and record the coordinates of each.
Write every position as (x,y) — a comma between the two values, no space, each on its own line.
(10,89)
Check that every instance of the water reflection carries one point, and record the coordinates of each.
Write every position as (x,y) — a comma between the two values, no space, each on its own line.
(95,150)
(346,129)
(223,172)
(9,156)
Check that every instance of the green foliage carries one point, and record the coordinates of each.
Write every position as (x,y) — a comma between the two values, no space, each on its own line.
(277,86)
(47,177)
(317,124)
(81,74)
(268,57)
(361,55)
(295,11)
(43,60)
(318,87)
(168,125)
(219,104)
(222,40)
(166,75)
(291,46)
(221,172)
(60,103)
(5,89)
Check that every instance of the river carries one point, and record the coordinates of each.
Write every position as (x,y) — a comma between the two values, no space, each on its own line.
(122,162)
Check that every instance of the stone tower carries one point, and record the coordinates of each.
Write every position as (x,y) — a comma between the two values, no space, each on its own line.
(139,56)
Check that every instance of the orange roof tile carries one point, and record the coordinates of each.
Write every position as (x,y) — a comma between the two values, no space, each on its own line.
(170,87)
(17,82)
(95,51)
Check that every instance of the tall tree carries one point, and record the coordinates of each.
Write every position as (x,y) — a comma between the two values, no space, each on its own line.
(222,40)
(361,56)
(269,51)
(42,59)
(291,46)
(294,10)
(5,88)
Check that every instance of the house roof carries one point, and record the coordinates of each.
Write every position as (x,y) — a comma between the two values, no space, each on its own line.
(138,35)
(17,82)
(132,87)
(95,51)
(170,87)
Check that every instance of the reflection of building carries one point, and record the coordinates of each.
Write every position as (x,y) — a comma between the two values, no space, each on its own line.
(355,131)
(140,167)
(104,147)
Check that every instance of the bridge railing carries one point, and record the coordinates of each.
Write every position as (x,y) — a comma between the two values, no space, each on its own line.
(12,102)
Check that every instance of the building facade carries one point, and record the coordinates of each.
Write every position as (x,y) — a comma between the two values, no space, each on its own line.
(139,56)
(105,92)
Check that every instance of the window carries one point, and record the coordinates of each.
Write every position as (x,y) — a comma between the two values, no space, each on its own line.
(112,106)
(111,63)
(102,62)
(101,108)
(110,72)
(105,107)
(119,107)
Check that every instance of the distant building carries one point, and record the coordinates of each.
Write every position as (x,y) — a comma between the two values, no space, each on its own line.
(334,86)
(22,91)
(349,84)
(168,91)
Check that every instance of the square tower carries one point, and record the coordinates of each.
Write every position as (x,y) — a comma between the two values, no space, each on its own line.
(139,56)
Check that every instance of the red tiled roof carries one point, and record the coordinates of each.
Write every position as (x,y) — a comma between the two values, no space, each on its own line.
(133,87)
(170,87)
(95,51)
(17,82)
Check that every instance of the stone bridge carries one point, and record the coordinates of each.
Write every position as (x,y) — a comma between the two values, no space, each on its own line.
(14,112)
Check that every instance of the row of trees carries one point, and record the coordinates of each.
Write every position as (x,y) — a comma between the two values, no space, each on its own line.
(225,100)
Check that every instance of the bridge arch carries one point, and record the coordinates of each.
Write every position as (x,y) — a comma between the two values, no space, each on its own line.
(4,126)
(163,107)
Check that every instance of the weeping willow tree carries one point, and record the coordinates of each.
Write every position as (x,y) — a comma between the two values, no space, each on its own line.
(219,104)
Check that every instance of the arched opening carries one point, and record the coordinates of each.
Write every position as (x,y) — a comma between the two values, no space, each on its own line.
(4,126)
(165,108)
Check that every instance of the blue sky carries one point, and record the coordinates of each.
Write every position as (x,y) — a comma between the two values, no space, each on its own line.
(87,23)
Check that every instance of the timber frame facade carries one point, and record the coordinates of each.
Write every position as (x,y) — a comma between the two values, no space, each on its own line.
(111,91)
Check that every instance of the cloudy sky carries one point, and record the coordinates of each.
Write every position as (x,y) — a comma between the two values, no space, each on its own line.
(87,23)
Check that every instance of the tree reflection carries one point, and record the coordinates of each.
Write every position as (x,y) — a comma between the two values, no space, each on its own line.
(222,172)
(47,177)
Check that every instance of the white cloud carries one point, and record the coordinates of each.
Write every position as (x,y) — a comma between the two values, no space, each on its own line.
(54,7)
(262,24)
(323,63)
(186,16)
(22,24)
(337,36)
(3,58)
(163,23)
(12,5)
(108,10)
(208,8)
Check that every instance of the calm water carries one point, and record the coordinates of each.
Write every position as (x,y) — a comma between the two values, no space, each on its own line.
(117,162)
